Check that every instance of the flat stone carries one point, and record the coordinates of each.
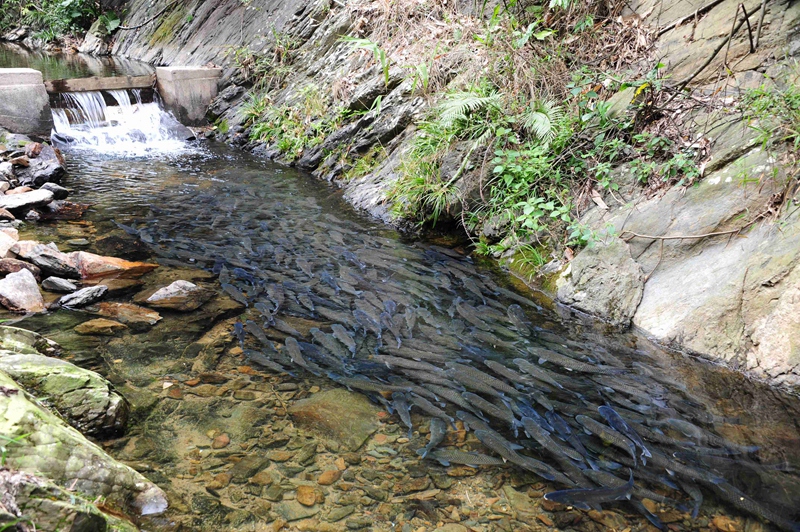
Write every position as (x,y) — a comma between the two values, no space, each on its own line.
(327,478)
(345,417)
(100,327)
(57,284)
(18,190)
(136,317)
(19,292)
(451,527)
(180,295)
(27,200)
(248,467)
(15,265)
(84,296)
(49,260)
(306,495)
(293,510)
(93,266)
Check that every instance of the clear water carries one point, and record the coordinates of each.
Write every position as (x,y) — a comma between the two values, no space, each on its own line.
(67,66)
(290,249)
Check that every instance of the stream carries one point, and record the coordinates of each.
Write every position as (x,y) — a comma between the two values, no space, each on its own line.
(314,296)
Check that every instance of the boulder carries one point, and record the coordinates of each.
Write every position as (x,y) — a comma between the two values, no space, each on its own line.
(84,296)
(180,295)
(51,507)
(26,200)
(14,265)
(346,418)
(57,284)
(100,327)
(136,317)
(19,292)
(45,445)
(95,41)
(6,243)
(6,171)
(92,266)
(58,191)
(83,398)
(47,167)
(22,341)
(604,281)
(52,261)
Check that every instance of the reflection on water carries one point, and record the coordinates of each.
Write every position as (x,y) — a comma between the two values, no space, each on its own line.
(67,66)
(442,336)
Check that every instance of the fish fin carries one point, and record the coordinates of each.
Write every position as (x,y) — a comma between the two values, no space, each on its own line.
(580,505)
(516,447)
(445,463)
(542,360)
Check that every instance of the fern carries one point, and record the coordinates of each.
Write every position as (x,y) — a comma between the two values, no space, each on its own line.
(459,105)
(540,119)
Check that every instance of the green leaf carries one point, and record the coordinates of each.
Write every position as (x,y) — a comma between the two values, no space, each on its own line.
(542,35)
(499,169)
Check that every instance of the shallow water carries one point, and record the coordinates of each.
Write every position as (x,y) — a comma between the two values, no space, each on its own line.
(68,66)
(263,229)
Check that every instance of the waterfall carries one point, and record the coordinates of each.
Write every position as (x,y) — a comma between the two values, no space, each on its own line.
(129,128)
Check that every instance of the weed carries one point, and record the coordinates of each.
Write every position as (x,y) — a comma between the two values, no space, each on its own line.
(378,53)
(4,446)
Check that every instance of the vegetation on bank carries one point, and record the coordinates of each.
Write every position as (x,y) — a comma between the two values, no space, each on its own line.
(522,130)
(53,19)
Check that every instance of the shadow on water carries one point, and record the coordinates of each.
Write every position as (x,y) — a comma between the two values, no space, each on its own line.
(433,331)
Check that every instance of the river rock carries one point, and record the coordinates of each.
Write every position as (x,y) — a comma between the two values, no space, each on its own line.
(4,214)
(27,200)
(15,265)
(49,260)
(136,317)
(19,190)
(605,281)
(100,327)
(92,266)
(23,341)
(345,417)
(6,243)
(59,192)
(82,397)
(49,447)
(84,296)
(180,295)
(52,507)
(293,510)
(19,292)
(47,167)
(57,284)
(6,171)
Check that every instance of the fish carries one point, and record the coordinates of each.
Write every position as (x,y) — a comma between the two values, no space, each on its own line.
(366,384)
(487,383)
(295,353)
(617,423)
(607,434)
(341,334)
(253,328)
(693,490)
(410,317)
(571,364)
(490,409)
(328,279)
(238,331)
(403,409)
(276,294)
(587,499)
(400,362)
(438,430)
(536,372)
(518,319)
(533,430)
(235,294)
(306,301)
(259,358)
(428,407)
(328,342)
(367,322)
(447,457)
(507,450)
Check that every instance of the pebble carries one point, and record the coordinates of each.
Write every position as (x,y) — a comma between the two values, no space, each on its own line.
(329,477)
(726,524)
(244,395)
(220,481)
(280,456)
(221,441)
(262,478)
(175,393)
(337,514)
(306,495)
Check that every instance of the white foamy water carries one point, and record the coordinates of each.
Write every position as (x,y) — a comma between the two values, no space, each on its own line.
(128,129)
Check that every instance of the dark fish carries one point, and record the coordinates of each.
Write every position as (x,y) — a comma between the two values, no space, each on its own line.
(508,451)
(487,383)
(410,317)
(295,353)
(490,409)
(447,457)
(253,328)
(403,409)
(264,361)
(473,287)
(328,279)
(743,502)
(517,318)
(586,499)
(619,424)
(428,407)
(306,301)
(438,430)
(238,331)
(401,362)
(235,293)
(533,430)
(285,328)
(366,384)
(608,435)
(536,372)
(341,334)
(276,294)
(693,490)
(367,322)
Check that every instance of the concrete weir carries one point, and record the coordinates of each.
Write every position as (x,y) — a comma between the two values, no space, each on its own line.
(187,91)
(24,104)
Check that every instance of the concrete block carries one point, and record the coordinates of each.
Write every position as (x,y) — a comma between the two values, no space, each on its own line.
(188,91)
(24,104)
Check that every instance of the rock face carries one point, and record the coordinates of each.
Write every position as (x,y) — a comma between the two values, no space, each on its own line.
(84,296)
(180,295)
(51,448)
(345,417)
(82,397)
(20,293)
(605,281)
(52,507)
